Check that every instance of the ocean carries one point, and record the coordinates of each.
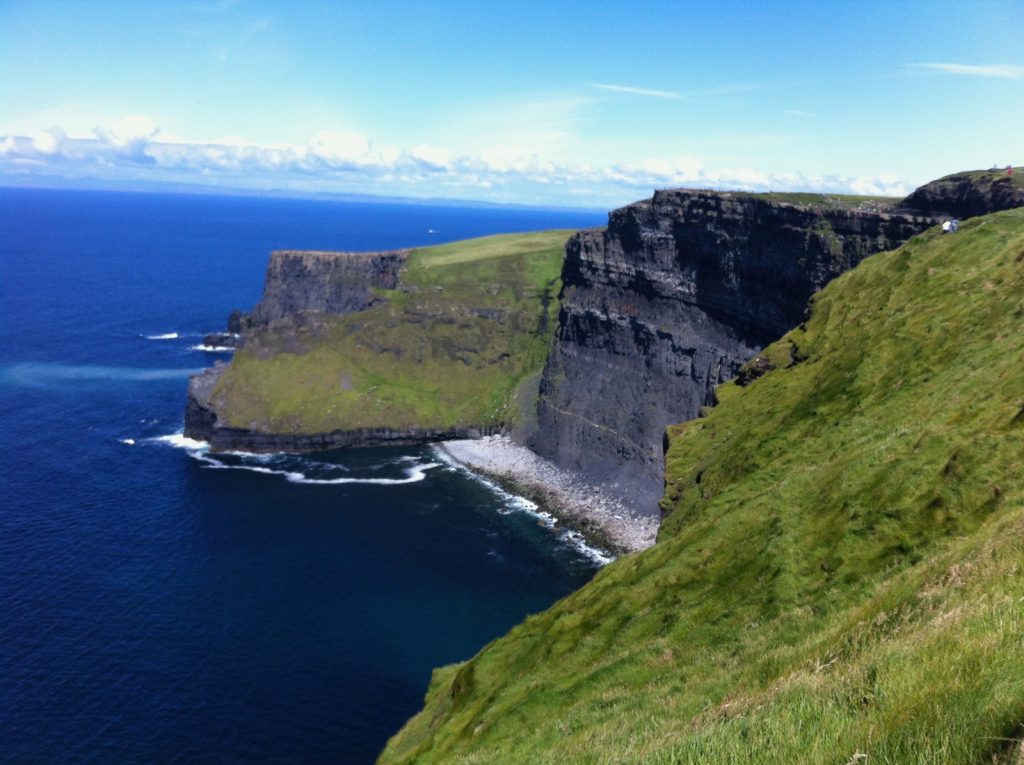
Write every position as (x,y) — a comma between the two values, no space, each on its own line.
(160,605)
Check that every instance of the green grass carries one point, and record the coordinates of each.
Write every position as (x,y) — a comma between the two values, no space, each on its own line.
(999,174)
(841,570)
(827,201)
(469,328)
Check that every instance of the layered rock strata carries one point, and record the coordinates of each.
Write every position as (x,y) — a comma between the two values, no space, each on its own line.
(297,283)
(667,302)
(324,282)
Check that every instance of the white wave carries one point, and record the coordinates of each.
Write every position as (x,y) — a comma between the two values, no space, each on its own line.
(128,441)
(575,540)
(165,336)
(515,503)
(412,475)
(212,348)
(258,456)
(181,441)
(200,450)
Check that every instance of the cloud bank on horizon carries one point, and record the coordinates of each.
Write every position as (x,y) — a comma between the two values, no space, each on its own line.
(346,162)
(507,102)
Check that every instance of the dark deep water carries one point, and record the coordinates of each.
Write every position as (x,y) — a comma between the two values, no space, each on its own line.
(155,608)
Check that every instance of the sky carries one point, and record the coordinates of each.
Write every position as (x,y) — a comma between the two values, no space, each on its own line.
(576,104)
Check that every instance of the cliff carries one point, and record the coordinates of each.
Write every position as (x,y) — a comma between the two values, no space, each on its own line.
(838,577)
(964,195)
(668,301)
(325,282)
(360,349)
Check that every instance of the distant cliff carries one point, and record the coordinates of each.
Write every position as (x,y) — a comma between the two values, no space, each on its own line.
(668,301)
(325,282)
(384,348)
(964,195)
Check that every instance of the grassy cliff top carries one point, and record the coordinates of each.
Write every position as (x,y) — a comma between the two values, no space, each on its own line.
(840,577)
(997,174)
(829,201)
(468,327)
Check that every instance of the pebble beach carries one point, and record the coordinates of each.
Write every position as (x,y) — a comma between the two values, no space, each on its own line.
(574,501)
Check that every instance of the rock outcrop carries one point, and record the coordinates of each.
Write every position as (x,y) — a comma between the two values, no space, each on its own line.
(964,195)
(667,302)
(324,282)
(300,282)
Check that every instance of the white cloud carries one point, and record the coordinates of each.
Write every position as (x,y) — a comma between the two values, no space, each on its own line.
(885,185)
(744,178)
(1004,71)
(49,142)
(431,156)
(130,136)
(340,150)
(672,171)
(635,91)
(346,162)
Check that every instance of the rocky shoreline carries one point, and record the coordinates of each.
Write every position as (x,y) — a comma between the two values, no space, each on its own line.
(577,503)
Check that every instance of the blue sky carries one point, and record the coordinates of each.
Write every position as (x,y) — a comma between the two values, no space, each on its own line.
(555,103)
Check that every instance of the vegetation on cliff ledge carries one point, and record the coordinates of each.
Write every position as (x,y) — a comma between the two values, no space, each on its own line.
(840,576)
(457,344)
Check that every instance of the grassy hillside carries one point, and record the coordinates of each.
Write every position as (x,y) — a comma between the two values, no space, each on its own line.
(469,327)
(840,577)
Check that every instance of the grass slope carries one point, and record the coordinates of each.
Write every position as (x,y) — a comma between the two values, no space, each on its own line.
(840,577)
(469,327)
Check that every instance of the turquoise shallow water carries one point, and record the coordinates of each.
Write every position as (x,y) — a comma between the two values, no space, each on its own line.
(161,607)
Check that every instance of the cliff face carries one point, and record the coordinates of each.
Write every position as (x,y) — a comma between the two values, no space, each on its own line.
(353,349)
(324,282)
(964,195)
(297,283)
(833,529)
(667,302)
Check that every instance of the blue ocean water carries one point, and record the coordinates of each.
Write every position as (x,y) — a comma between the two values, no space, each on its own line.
(157,607)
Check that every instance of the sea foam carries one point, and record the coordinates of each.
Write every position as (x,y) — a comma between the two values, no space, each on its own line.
(200,451)
(181,441)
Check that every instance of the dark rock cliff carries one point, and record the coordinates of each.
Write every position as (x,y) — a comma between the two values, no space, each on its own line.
(964,195)
(299,283)
(667,302)
(325,282)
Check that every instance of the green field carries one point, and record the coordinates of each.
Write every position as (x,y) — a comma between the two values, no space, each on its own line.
(458,344)
(840,576)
